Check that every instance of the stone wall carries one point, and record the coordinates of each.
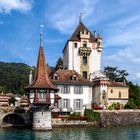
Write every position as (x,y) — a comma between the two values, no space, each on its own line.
(119,118)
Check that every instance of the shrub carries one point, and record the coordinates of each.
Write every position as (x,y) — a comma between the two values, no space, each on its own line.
(130,105)
(19,110)
(92,116)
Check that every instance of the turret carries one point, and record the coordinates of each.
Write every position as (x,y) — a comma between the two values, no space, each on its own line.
(99,43)
(41,94)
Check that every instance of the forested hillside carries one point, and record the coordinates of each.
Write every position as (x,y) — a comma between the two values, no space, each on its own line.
(13,77)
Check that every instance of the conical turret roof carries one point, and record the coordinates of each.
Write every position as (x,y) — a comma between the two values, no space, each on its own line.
(41,80)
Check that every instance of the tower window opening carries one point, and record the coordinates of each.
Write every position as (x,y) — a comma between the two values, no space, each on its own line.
(75,45)
(84,44)
(85,74)
(84,60)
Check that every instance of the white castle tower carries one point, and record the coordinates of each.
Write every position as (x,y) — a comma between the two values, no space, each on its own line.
(82,52)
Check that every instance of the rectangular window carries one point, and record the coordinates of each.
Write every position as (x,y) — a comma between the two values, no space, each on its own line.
(84,60)
(66,103)
(85,74)
(42,95)
(78,103)
(75,45)
(78,89)
(65,89)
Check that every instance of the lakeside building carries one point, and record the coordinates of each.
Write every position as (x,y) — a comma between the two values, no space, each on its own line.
(74,90)
(4,99)
(81,82)
(41,94)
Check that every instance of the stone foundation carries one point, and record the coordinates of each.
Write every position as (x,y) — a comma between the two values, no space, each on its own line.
(42,120)
(119,117)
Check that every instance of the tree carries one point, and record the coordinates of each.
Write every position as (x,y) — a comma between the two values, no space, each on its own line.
(59,64)
(13,77)
(115,75)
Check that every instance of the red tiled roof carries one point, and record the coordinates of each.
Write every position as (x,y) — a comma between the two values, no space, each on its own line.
(76,36)
(65,77)
(117,84)
(41,80)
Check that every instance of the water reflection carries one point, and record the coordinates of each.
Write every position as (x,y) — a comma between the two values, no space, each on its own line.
(126,133)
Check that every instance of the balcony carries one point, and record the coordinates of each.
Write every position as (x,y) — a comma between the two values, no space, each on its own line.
(84,51)
(42,101)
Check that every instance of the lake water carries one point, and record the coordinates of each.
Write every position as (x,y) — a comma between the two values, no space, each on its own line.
(118,133)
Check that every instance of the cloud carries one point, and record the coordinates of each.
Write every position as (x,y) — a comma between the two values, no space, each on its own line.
(66,18)
(6,6)
(118,24)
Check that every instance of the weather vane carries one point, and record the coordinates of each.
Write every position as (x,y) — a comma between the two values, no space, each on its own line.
(41,28)
(80,17)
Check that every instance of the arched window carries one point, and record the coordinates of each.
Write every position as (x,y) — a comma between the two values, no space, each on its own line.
(55,77)
(111,91)
(75,45)
(74,77)
(119,94)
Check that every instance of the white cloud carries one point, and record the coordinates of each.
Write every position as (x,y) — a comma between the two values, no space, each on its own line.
(21,5)
(65,17)
(118,24)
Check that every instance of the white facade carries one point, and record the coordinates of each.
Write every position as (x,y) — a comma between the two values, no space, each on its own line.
(83,54)
(73,61)
(74,98)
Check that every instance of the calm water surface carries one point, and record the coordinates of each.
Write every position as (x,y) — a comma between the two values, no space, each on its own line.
(122,133)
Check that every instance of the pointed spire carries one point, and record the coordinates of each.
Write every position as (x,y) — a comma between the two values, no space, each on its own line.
(41,79)
(99,37)
(41,34)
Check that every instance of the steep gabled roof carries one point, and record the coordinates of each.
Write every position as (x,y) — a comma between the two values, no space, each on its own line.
(41,80)
(76,35)
(65,77)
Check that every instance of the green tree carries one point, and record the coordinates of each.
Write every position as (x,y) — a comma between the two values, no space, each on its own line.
(59,64)
(114,74)
(13,77)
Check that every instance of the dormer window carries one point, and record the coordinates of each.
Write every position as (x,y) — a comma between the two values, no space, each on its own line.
(74,77)
(83,32)
(55,77)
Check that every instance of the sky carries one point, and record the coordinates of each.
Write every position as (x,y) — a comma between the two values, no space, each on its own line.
(117,21)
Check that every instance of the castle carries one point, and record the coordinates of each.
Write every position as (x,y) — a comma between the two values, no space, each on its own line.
(78,85)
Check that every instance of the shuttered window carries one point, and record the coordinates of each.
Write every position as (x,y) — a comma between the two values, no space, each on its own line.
(78,103)
(65,103)
(78,89)
(65,89)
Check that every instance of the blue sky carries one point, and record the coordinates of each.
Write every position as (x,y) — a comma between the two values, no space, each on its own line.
(118,22)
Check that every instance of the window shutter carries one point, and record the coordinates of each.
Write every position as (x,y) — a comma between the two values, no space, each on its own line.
(74,103)
(60,103)
(81,103)
(68,103)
